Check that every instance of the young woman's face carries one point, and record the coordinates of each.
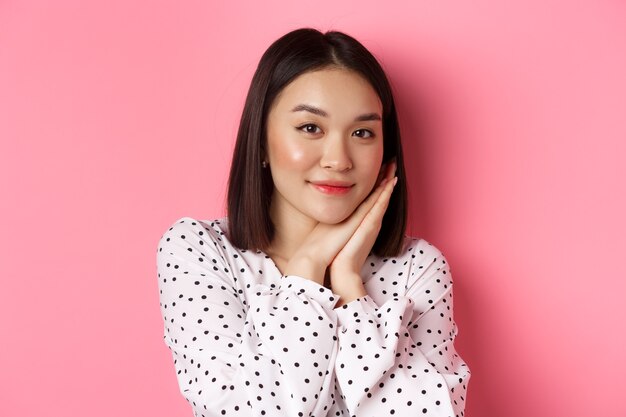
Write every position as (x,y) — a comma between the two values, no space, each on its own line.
(324,128)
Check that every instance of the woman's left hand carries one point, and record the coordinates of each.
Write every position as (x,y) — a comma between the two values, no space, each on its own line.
(345,268)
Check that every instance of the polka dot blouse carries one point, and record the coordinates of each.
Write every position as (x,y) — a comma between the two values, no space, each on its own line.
(248,341)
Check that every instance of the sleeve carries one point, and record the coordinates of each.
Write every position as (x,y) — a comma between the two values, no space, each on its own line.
(273,357)
(399,358)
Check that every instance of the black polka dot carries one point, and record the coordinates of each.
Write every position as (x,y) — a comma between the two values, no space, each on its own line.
(233,323)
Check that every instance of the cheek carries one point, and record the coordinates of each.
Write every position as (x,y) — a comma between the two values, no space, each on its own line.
(289,155)
(372,160)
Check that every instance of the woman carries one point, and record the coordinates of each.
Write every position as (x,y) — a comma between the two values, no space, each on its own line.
(308,299)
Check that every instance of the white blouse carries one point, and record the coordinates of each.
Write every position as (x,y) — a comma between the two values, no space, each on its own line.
(247,341)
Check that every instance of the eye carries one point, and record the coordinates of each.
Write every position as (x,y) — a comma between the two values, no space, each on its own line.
(362,132)
(309,128)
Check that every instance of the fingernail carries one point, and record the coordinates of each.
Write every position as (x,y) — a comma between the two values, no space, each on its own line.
(395,180)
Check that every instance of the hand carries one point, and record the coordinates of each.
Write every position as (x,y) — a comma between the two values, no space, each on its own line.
(325,241)
(346,266)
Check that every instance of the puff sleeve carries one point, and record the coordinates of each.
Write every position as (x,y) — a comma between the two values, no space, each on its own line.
(270,355)
(399,358)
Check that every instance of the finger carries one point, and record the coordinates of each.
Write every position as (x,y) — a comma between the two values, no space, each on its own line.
(378,209)
(370,200)
(366,206)
(369,227)
(383,199)
(385,183)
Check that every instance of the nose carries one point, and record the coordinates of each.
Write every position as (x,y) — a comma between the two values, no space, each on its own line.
(336,156)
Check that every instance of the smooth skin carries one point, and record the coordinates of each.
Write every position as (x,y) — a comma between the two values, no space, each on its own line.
(336,136)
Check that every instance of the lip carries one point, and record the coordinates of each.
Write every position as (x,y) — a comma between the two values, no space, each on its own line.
(332,187)
(332,183)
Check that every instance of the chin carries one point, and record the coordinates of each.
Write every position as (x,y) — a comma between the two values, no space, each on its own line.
(331,218)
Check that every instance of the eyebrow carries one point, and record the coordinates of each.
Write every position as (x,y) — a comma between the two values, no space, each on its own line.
(320,112)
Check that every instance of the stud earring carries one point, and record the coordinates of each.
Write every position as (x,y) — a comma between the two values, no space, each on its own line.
(264,164)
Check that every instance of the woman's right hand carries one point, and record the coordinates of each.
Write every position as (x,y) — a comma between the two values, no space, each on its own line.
(325,241)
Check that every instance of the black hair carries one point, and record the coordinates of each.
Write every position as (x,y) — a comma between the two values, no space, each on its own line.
(250,186)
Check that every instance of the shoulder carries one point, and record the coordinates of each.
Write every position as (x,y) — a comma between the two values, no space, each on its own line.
(414,249)
(417,256)
(428,272)
(419,268)
(185,227)
(421,250)
(193,238)
(424,261)
(214,228)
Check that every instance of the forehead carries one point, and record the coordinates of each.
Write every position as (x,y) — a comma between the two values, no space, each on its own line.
(332,89)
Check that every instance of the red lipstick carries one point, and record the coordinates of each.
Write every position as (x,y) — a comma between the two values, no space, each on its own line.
(332,187)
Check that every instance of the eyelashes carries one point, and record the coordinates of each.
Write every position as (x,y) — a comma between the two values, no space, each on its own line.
(367,131)
(305,127)
(313,129)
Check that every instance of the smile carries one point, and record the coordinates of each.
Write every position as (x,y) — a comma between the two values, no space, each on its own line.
(330,189)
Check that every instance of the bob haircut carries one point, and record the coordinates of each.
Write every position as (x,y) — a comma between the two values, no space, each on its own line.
(250,186)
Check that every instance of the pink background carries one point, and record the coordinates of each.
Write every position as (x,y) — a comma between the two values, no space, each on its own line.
(119,117)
